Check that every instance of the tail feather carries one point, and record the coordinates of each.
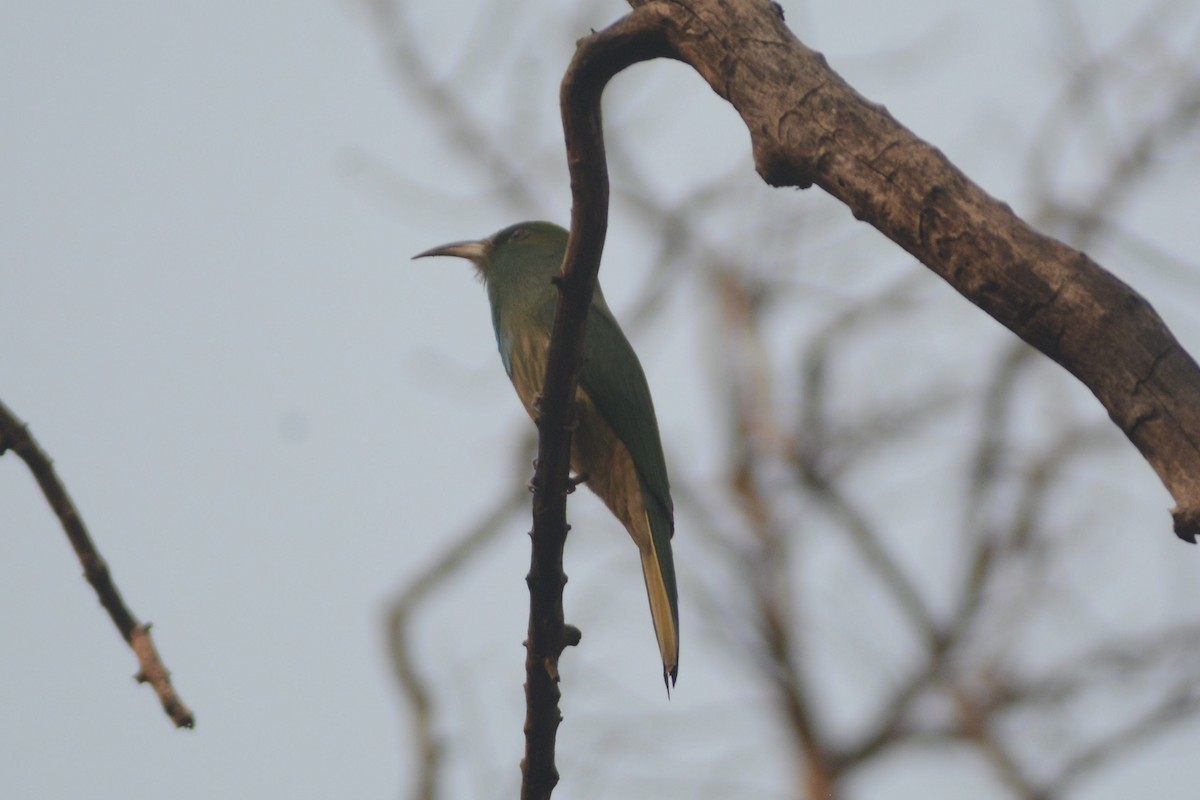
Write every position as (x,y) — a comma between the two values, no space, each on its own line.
(658,569)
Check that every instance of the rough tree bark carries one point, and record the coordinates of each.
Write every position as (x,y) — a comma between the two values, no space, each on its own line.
(808,127)
(548,635)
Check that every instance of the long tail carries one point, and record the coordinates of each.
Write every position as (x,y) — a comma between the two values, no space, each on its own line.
(658,569)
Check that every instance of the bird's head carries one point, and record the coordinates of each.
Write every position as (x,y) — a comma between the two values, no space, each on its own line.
(524,247)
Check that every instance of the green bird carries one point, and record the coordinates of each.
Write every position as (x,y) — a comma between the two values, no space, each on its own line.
(615,444)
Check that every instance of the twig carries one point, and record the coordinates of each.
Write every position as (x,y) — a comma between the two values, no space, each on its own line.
(15,436)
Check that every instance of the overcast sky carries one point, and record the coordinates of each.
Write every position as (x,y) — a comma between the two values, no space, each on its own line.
(269,416)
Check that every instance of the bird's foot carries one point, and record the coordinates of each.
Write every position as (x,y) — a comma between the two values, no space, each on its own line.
(574,481)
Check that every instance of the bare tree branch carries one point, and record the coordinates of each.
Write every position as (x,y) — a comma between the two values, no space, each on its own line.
(807,127)
(598,59)
(15,436)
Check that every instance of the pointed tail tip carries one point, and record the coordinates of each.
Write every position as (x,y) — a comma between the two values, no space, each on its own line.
(669,676)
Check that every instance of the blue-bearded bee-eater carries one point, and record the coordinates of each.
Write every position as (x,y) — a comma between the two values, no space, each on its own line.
(615,444)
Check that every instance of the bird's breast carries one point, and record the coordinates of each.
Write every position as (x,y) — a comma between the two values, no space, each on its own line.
(595,448)
(525,361)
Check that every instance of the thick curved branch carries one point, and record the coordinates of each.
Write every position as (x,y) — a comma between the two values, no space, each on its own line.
(598,59)
(15,436)
(807,126)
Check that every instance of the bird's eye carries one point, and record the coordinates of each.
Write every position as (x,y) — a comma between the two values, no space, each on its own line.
(518,234)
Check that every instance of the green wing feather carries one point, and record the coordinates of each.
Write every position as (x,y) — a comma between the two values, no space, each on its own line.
(613,378)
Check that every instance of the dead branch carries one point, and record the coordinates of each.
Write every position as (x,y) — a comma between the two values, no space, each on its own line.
(593,66)
(16,437)
(808,127)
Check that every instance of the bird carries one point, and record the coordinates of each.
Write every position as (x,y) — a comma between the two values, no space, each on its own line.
(615,447)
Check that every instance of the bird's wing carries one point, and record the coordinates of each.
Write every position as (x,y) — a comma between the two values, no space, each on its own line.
(613,379)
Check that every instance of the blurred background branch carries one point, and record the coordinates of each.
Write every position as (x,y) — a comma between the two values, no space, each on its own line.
(897,536)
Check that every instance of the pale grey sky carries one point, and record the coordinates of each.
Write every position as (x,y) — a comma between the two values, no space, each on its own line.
(268,415)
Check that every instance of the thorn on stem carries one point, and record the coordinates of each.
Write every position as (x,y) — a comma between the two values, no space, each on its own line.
(571,635)
(1187,524)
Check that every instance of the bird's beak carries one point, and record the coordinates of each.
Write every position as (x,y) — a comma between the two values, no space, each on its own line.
(477,252)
